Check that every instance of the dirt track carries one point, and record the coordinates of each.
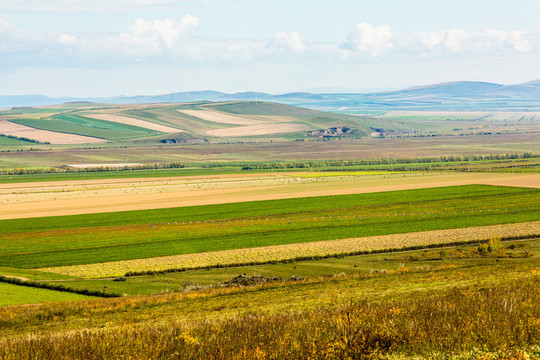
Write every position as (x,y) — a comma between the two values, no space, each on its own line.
(95,196)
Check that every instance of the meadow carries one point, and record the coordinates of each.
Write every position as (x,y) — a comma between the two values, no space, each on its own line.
(458,305)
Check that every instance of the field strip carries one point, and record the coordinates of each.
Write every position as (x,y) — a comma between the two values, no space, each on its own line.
(219,117)
(9,128)
(262,129)
(135,122)
(291,251)
(210,190)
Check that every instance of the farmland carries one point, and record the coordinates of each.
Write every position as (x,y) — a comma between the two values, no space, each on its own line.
(385,238)
(376,248)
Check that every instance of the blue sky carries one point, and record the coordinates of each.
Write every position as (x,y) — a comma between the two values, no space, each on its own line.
(113,47)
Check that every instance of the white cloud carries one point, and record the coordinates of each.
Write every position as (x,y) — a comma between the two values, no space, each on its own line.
(143,38)
(67,39)
(483,41)
(287,41)
(159,35)
(370,39)
(378,40)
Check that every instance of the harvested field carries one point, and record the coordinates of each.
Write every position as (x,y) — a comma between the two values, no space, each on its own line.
(219,117)
(95,196)
(262,129)
(134,122)
(291,251)
(9,128)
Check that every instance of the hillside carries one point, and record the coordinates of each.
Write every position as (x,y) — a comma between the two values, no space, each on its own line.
(178,123)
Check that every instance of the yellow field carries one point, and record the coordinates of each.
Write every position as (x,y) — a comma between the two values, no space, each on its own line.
(290,251)
(21,200)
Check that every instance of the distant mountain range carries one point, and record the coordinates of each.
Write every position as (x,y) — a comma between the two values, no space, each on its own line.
(459,95)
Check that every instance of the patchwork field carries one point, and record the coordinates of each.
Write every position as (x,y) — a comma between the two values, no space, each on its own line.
(135,122)
(244,236)
(18,130)
(106,237)
(378,253)
(312,249)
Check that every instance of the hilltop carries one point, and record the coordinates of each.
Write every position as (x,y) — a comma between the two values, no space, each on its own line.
(443,96)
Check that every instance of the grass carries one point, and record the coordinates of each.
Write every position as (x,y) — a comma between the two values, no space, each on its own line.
(85,239)
(462,257)
(472,309)
(6,141)
(16,295)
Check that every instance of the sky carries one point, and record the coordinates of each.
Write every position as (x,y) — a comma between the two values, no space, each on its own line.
(93,48)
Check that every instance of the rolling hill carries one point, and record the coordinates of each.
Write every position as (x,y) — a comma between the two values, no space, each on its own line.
(458,95)
(185,122)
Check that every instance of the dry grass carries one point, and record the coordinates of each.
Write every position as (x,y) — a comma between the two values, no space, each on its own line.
(497,322)
(9,128)
(291,251)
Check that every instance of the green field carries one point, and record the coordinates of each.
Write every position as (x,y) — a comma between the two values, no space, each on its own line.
(79,125)
(16,295)
(4,140)
(85,239)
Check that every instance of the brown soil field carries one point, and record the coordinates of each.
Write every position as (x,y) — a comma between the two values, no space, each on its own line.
(134,122)
(9,128)
(290,251)
(94,196)
(219,117)
(262,129)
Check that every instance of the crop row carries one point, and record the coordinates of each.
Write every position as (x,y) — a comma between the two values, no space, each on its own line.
(309,249)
